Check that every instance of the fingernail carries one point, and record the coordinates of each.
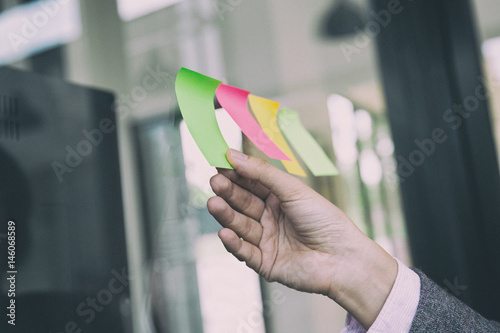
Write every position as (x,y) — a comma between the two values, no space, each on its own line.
(237,156)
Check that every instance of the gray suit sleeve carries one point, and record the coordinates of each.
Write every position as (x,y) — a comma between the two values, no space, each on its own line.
(438,311)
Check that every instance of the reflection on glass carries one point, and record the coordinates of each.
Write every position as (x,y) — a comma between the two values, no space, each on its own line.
(363,124)
(370,166)
(343,127)
(364,152)
(385,146)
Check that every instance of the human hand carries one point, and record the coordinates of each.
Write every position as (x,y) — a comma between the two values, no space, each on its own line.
(288,233)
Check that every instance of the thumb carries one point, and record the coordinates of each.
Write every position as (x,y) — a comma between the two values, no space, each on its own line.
(280,183)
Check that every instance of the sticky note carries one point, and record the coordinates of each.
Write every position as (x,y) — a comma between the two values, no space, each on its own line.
(195,95)
(304,144)
(234,101)
(266,112)
(277,132)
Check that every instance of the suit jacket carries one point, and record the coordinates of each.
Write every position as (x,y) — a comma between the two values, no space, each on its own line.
(438,311)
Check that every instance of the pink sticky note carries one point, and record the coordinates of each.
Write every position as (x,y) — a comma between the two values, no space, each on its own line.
(234,101)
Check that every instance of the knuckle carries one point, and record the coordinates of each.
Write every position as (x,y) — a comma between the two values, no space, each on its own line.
(265,165)
(246,228)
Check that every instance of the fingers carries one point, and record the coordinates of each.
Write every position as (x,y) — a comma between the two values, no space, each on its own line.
(283,185)
(239,198)
(252,185)
(242,225)
(241,249)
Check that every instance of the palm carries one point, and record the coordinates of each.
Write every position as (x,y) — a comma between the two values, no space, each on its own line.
(293,247)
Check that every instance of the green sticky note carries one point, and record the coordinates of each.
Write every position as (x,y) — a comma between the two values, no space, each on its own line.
(304,144)
(195,95)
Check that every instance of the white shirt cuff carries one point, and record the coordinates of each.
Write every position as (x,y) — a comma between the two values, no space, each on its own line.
(399,309)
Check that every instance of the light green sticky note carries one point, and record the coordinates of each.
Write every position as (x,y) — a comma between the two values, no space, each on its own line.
(304,144)
(195,95)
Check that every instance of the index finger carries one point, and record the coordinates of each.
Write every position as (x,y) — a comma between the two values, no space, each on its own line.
(253,186)
(284,186)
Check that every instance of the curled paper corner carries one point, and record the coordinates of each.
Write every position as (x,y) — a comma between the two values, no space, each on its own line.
(195,93)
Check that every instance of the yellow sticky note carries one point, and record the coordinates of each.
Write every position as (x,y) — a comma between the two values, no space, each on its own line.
(266,112)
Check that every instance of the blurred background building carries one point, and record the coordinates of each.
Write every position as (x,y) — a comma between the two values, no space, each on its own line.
(315,57)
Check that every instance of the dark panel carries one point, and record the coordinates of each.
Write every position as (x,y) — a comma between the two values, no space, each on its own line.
(60,184)
(49,62)
(444,144)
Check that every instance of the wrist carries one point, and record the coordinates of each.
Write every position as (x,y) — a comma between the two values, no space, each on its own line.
(363,280)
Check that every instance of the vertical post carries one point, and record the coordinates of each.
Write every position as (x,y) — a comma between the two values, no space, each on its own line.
(437,103)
